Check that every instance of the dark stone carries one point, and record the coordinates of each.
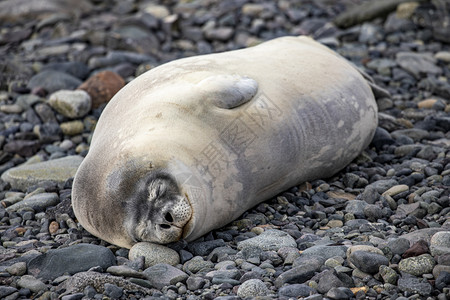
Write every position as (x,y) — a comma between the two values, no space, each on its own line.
(418,248)
(113,291)
(162,275)
(53,81)
(368,262)
(73,259)
(22,147)
(340,293)
(298,274)
(413,285)
(204,248)
(296,291)
(443,280)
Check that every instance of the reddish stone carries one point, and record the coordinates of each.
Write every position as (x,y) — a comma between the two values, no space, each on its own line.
(53,227)
(102,87)
(418,248)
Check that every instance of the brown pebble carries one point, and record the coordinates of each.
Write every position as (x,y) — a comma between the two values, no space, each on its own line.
(418,248)
(427,103)
(20,230)
(102,87)
(53,227)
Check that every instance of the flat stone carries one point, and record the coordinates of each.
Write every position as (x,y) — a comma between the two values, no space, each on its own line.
(71,104)
(418,63)
(162,275)
(412,284)
(154,254)
(72,128)
(388,274)
(53,81)
(421,234)
(17,269)
(324,251)
(396,189)
(6,291)
(124,271)
(296,291)
(57,170)
(73,259)
(298,274)
(269,240)
(31,283)
(38,202)
(440,243)
(417,265)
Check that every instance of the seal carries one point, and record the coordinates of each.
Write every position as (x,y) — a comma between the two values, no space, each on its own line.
(190,145)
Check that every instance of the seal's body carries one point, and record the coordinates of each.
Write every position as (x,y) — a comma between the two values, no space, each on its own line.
(190,145)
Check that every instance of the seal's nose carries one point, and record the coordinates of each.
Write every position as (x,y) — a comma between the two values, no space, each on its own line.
(178,215)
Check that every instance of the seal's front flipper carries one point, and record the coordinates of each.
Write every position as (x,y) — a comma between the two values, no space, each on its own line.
(228,91)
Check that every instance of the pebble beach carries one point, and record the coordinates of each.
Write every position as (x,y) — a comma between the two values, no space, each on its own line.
(378,229)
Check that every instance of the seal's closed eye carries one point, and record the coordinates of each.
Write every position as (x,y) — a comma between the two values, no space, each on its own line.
(229,91)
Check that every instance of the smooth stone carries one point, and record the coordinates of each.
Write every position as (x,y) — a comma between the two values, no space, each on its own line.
(330,279)
(71,104)
(368,262)
(6,291)
(205,248)
(17,269)
(37,202)
(300,273)
(57,170)
(269,240)
(438,269)
(154,254)
(324,251)
(31,283)
(443,55)
(396,189)
(296,290)
(443,280)
(417,265)
(421,234)
(75,68)
(440,243)
(113,291)
(125,271)
(412,284)
(161,275)
(252,288)
(73,259)
(340,293)
(102,87)
(417,63)
(53,81)
(399,246)
(72,128)
(194,283)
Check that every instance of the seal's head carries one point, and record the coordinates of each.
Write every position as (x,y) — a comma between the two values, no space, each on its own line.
(158,211)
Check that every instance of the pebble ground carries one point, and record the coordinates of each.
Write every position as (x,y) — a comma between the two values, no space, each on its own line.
(379,229)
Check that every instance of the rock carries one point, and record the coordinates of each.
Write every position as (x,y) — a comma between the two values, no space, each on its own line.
(31,283)
(6,291)
(124,271)
(205,248)
(17,269)
(340,293)
(418,63)
(368,262)
(195,283)
(37,202)
(22,147)
(53,81)
(325,252)
(74,68)
(20,10)
(296,291)
(396,189)
(220,34)
(299,274)
(269,240)
(161,275)
(418,248)
(412,284)
(196,264)
(399,246)
(329,279)
(438,269)
(72,128)
(417,265)
(365,12)
(443,55)
(102,87)
(57,170)
(443,280)
(252,288)
(71,104)
(154,254)
(73,259)
(388,275)
(113,291)
(440,243)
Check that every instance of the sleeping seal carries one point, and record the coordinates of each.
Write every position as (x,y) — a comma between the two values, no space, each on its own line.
(189,146)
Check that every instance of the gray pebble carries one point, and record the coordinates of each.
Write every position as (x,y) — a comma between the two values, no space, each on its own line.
(252,288)
(154,254)
(31,283)
(270,240)
(368,262)
(161,275)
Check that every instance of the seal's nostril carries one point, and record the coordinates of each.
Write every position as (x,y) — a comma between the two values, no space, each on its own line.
(168,217)
(164,226)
